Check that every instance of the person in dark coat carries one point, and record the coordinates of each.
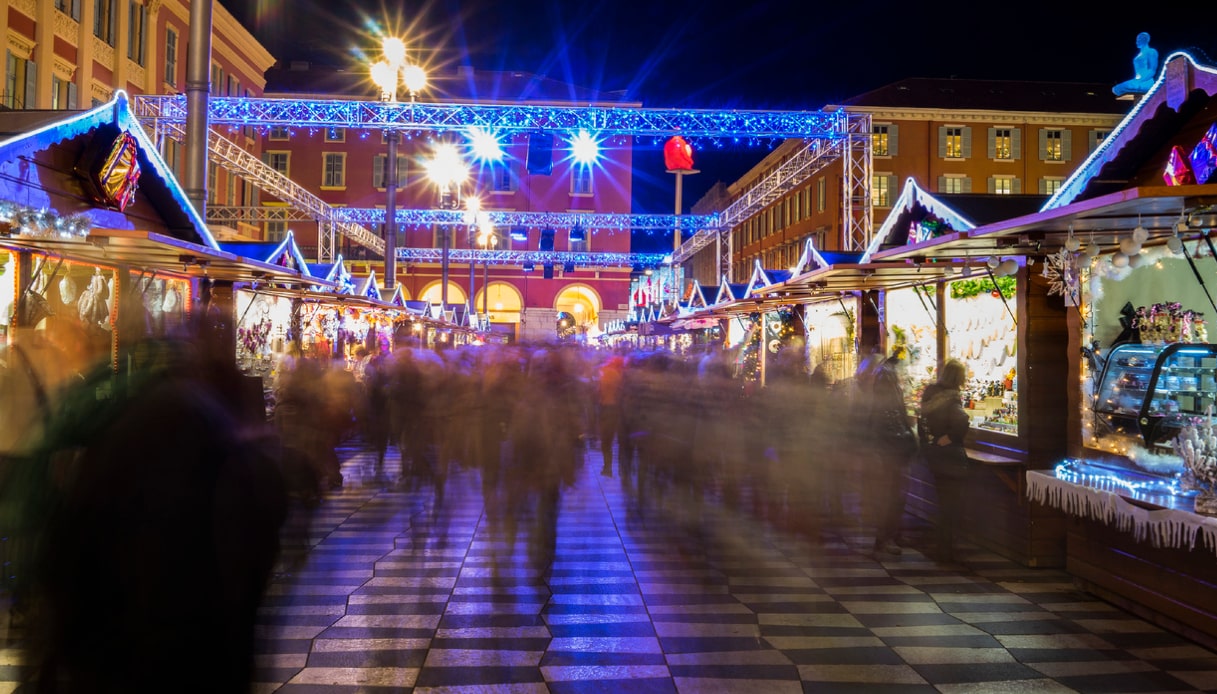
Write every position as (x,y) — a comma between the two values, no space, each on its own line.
(944,426)
(893,444)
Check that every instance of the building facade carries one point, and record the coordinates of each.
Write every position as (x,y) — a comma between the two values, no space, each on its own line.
(74,54)
(950,136)
(537,173)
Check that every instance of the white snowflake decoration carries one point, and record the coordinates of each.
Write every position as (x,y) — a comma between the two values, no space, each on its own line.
(1063,275)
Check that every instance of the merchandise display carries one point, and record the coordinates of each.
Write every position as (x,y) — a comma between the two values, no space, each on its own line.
(981,333)
(1151,391)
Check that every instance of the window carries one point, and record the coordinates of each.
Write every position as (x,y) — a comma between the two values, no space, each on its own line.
(170,57)
(234,86)
(276,229)
(954,143)
(105,21)
(378,171)
(1003,143)
(954,184)
(230,190)
(1004,185)
(821,194)
(279,161)
(1096,139)
(63,93)
(878,140)
(881,191)
(1049,185)
(137,28)
(501,178)
(883,139)
(334,167)
(217,80)
(279,132)
(213,183)
(19,81)
(581,180)
(69,7)
(579,245)
(1054,144)
(335,135)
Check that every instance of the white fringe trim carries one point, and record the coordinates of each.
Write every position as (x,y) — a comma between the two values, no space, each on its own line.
(1162,527)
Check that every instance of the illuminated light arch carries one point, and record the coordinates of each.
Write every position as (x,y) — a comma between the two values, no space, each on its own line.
(432,293)
(581,301)
(505,302)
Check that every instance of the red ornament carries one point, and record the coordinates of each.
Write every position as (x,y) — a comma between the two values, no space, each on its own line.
(996,293)
(1178,171)
(677,154)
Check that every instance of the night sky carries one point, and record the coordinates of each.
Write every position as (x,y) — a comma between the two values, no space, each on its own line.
(789,54)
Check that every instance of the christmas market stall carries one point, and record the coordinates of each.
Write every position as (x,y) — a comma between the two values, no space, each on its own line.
(1128,240)
(98,236)
(982,306)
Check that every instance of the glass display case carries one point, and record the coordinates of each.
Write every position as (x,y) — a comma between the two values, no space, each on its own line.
(1152,390)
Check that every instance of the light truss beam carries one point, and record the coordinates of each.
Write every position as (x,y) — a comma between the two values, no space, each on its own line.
(815,155)
(591,221)
(467,255)
(604,121)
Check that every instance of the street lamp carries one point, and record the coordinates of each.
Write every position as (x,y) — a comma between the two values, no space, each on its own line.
(388,74)
(487,239)
(448,172)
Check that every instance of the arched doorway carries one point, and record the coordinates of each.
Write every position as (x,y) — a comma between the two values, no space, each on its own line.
(582,303)
(503,302)
(433,294)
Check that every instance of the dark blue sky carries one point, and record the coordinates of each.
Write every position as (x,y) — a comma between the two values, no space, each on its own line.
(784,54)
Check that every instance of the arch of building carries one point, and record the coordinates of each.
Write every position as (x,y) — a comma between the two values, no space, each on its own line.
(433,292)
(581,301)
(504,302)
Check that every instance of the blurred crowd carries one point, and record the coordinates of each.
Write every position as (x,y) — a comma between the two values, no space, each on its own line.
(146,512)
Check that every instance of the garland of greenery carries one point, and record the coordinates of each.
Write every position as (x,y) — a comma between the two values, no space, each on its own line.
(966,289)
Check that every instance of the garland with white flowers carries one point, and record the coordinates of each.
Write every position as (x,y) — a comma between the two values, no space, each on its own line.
(43,223)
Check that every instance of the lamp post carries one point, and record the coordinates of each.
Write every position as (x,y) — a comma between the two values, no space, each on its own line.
(448,172)
(388,74)
(473,207)
(487,239)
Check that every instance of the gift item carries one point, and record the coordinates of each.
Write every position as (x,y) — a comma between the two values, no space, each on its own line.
(1178,169)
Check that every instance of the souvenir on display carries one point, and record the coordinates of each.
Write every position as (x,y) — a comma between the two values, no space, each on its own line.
(1178,172)
(1204,155)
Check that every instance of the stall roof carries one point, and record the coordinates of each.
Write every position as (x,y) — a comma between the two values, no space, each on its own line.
(152,252)
(284,253)
(30,132)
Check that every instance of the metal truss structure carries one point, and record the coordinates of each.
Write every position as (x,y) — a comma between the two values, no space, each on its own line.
(591,221)
(602,121)
(238,160)
(815,155)
(466,255)
(829,135)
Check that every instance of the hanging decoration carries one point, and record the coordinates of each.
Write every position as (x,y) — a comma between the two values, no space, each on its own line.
(112,171)
(1064,276)
(1204,155)
(1178,170)
(966,289)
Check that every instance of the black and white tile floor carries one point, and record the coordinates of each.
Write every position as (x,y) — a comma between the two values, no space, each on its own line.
(397,596)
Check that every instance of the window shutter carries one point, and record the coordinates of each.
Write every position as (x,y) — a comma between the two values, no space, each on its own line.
(965,185)
(942,142)
(72,96)
(31,84)
(1043,186)
(113,38)
(992,185)
(991,152)
(1066,145)
(378,170)
(893,139)
(1016,187)
(967,143)
(1043,144)
(1016,143)
(942,184)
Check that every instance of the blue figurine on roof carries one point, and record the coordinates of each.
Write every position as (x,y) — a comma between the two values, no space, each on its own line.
(1145,66)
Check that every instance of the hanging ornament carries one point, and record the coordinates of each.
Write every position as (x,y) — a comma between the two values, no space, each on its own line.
(993,262)
(1092,248)
(1135,260)
(1007,267)
(1140,234)
(1119,259)
(1174,244)
(1072,243)
(1130,246)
